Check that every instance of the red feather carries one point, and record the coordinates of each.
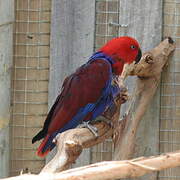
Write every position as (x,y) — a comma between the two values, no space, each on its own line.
(39,151)
(121,48)
(83,87)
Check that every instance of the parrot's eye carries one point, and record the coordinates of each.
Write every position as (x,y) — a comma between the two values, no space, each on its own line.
(133,47)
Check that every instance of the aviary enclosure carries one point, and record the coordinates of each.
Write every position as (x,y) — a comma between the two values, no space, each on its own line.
(42,41)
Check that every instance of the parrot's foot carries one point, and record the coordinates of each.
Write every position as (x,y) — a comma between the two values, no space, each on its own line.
(93,129)
(123,96)
(56,138)
(103,118)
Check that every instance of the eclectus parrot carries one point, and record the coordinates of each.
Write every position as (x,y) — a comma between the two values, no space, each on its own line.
(89,91)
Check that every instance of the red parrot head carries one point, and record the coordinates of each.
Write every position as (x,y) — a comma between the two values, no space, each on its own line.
(123,50)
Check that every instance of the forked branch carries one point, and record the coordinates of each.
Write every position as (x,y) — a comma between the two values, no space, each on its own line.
(149,72)
(71,143)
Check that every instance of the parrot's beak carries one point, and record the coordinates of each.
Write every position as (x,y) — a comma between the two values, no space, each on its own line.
(138,57)
(128,68)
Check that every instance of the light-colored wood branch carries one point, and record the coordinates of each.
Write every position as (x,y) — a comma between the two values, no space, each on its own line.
(71,143)
(149,72)
(111,169)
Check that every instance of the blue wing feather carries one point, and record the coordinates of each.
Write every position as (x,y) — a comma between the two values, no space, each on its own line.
(96,109)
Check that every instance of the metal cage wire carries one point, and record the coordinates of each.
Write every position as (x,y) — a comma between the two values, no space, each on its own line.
(30,81)
(170,89)
(106,27)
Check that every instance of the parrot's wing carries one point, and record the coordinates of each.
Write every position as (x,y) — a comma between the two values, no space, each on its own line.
(83,87)
(79,89)
(44,131)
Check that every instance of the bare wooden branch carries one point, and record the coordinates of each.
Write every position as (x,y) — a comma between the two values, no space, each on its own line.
(111,169)
(149,72)
(71,143)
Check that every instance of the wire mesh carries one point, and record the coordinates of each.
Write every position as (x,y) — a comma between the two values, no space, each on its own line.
(107,14)
(106,27)
(170,90)
(29,82)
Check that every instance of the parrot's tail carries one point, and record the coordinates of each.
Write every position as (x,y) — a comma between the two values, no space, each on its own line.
(39,136)
(42,149)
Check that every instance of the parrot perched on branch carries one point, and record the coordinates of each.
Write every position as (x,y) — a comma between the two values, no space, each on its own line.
(89,91)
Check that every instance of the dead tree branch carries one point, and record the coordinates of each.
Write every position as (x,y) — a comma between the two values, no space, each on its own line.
(71,143)
(111,169)
(149,72)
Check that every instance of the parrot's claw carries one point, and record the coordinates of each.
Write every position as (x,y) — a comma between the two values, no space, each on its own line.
(123,96)
(92,128)
(56,138)
(104,118)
